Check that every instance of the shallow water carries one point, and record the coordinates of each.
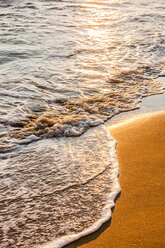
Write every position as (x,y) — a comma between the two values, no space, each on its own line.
(66,67)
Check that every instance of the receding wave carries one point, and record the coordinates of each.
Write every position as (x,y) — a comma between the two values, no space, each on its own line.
(57,188)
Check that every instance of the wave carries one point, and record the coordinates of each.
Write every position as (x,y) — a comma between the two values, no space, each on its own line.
(71,118)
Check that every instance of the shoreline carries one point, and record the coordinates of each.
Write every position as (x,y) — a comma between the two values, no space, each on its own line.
(138,216)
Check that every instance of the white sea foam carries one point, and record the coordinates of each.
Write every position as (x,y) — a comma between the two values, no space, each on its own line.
(106,211)
(65,190)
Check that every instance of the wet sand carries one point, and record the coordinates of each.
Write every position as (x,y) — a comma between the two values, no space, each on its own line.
(139,216)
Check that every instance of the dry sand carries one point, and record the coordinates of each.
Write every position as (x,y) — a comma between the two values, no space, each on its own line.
(139,216)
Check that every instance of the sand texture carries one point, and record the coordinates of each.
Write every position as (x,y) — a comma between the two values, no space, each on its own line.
(139,216)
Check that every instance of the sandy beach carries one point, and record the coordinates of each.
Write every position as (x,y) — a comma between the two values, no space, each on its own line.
(138,219)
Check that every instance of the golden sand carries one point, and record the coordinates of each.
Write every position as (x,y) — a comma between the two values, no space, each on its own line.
(139,216)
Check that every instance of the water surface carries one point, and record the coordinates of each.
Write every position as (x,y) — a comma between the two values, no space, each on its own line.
(65,68)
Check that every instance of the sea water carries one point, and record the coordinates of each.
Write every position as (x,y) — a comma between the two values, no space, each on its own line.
(66,67)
